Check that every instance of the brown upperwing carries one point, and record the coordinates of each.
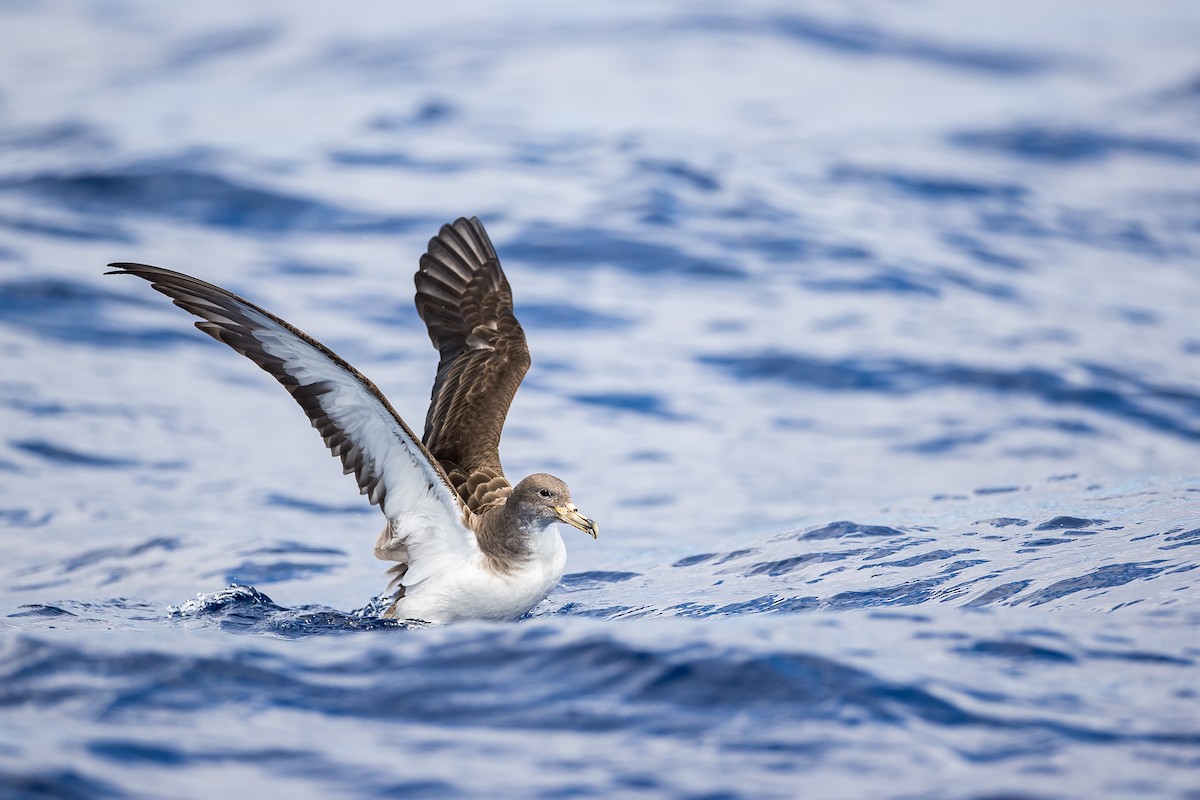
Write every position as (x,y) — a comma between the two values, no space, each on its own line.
(466,303)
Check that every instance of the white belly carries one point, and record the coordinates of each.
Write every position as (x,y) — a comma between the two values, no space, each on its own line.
(476,591)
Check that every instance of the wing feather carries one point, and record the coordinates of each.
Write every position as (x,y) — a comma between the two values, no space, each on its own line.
(466,303)
(392,467)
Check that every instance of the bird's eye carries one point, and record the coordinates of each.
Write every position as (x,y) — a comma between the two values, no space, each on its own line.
(544,492)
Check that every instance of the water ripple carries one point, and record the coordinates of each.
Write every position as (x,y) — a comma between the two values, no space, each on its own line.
(199,198)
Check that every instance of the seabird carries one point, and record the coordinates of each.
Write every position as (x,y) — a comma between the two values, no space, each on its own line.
(468,544)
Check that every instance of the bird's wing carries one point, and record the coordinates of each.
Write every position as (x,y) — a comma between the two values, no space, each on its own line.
(466,303)
(393,469)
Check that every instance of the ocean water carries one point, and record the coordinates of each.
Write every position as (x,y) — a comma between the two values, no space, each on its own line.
(867,332)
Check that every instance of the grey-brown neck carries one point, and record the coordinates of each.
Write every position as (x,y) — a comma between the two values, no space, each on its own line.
(502,538)
(522,526)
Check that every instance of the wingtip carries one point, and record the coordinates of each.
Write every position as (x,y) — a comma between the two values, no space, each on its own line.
(122,268)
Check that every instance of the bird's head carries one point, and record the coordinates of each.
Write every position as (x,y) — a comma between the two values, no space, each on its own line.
(543,499)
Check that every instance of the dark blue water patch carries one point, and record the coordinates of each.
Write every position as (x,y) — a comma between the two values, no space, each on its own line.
(1065,523)
(844,529)
(928,187)
(64,456)
(1017,650)
(649,456)
(307,269)
(564,248)
(377,58)
(998,594)
(77,313)
(987,490)
(981,253)
(51,408)
(1105,577)
(77,230)
(187,194)
(1140,657)
(20,399)
(736,555)
(59,784)
(756,209)
(1086,227)
(1074,145)
(930,282)
(987,288)
(312,507)
(576,581)
(779,247)
(1047,542)
(96,556)
(400,314)
(564,316)
(428,113)
(891,548)
(204,48)
(132,753)
(41,610)
(681,172)
(886,281)
(690,609)
(395,159)
(781,244)
(644,404)
(68,133)
(1099,230)
(1004,522)
(769,604)
(23,518)
(921,558)
(592,612)
(944,444)
(846,252)
(1071,427)
(959,440)
(1187,539)
(290,547)
(260,572)
(785,565)
(1014,222)
(1119,394)
(660,207)
(102,567)
(786,684)
(296,763)
(1143,317)
(909,593)
(860,39)
(648,500)
(1185,93)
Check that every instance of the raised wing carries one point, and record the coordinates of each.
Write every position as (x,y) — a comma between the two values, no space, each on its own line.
(466,303)
(393,468)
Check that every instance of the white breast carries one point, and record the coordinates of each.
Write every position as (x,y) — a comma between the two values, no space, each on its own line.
(476,591)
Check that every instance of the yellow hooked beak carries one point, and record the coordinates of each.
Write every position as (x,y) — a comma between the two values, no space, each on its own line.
(570,515)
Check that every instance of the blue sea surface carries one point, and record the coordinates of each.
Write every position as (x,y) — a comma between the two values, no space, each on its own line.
(868,332)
